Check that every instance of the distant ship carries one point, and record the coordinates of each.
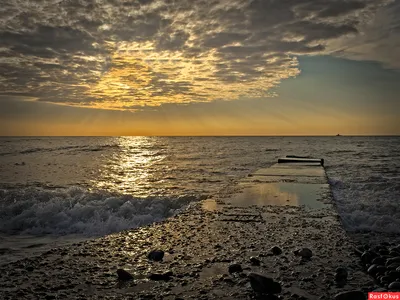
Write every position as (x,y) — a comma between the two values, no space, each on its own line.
(338,134)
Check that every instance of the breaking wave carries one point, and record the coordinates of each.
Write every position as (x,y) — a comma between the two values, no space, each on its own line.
(78,211)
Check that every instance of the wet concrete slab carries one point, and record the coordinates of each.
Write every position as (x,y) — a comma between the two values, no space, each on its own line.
(290,172)
(287,184)
(312,196)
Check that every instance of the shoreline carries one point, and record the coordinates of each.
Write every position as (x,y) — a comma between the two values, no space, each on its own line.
(210,250)
(198,251)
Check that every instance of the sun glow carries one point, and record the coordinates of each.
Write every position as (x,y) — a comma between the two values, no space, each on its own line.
(141,76)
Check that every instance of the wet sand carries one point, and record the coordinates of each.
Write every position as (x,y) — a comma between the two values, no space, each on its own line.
(202,244)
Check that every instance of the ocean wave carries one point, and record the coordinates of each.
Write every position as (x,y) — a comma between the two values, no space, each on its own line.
(369,206)
(74,148)
(78,211)
(96,148)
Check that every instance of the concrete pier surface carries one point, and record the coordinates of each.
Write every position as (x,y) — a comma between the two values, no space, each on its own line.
(280,222)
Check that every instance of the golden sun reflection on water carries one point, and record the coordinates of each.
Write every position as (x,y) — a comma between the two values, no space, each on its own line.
(129,168)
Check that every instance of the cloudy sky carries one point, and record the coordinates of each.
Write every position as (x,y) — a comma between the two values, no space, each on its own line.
(199,67)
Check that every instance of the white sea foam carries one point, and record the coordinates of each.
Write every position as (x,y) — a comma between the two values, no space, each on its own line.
(77,211)
(370,206)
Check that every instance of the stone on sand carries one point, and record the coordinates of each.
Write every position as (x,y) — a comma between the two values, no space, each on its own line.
(124,275)
(156,255)
(263,284)
(351,295)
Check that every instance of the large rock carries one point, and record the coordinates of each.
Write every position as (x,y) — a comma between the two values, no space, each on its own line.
(156,255)
(263,284)
(351,295)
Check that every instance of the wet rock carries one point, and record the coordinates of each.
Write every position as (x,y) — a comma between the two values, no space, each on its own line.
(254,261)
(396,248)
(276,250)
(263,284)
(395,286)
(304,253)
(358,251)
(394,274)
(393,266)
(368,256)
(235,268)
(341,274)
(384,251)
(29,268)
(378,261)
(351,295)
(393,260)
(156,255)
(385,279)
(373,270)
(124,275)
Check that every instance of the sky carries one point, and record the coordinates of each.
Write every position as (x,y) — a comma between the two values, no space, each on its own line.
(186,67)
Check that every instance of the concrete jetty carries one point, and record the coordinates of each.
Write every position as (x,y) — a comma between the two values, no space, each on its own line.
(280,222)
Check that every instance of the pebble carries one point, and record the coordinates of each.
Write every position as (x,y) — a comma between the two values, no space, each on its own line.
(156,255)
(378,261)
(375,269)
(263,284)
(235,268)
(393,260)
(394,286)
(276,250)
(367,257)
(394,274)
(158,277)
(384,252)
(255,261)
(385,279)
(341,274)
(351,295)
(304,253)
(124,275)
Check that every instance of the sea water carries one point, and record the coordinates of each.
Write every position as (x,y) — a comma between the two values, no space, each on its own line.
(59,190)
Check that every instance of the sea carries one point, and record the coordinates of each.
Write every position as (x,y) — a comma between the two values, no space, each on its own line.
(56,191)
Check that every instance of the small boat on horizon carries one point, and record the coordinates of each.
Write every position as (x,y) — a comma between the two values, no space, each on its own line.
(338,134)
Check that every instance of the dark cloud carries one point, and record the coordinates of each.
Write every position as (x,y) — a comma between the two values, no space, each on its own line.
(128,53)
